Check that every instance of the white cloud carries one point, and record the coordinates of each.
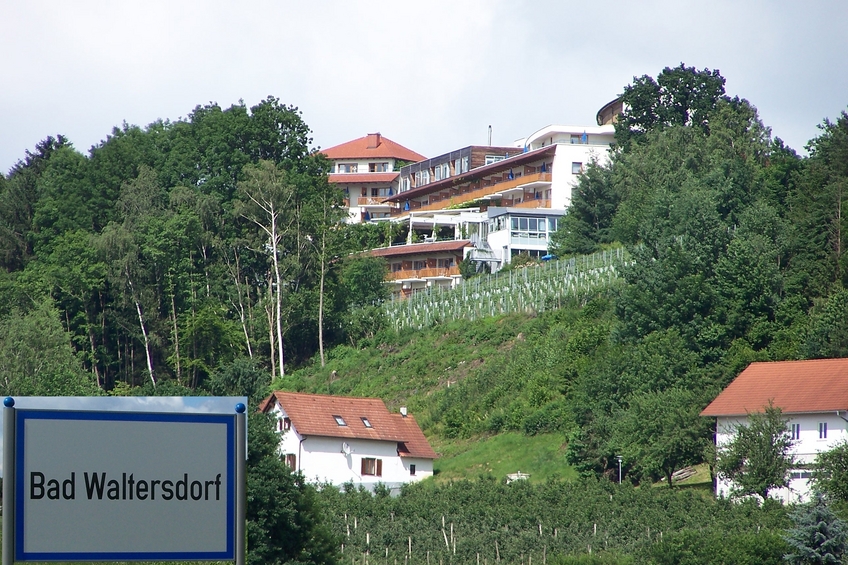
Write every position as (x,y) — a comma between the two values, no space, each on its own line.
(430,75)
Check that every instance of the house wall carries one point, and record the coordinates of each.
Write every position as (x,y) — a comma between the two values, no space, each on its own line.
(806,448)
(362,164)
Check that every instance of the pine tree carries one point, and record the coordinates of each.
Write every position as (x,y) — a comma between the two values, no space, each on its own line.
(819,536)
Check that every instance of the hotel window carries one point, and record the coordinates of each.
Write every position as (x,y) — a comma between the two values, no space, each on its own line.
(371,466)
(437,173)
(339,420)
(494,159)
(444,263)
(822,430)
(465,164)
(418,265)
(576,168)
(795,431)
(422,178)
(378,167)
(347,167)
(375,192)
(397,267)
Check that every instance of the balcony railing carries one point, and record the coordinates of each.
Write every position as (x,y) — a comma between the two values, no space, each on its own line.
(533,203)
(433,272)
(465,193)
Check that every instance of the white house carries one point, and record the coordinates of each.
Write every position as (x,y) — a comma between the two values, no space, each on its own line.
(813,396)
(337,440)
(366,169)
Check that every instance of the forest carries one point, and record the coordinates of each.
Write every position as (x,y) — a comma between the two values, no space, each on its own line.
(207,256)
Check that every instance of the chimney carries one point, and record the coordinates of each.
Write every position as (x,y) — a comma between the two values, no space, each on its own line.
(403,411)
(374,140)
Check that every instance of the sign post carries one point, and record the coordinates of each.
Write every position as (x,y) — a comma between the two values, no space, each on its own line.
(123,486)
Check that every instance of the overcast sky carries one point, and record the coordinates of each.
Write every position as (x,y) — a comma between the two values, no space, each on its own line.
(430,75)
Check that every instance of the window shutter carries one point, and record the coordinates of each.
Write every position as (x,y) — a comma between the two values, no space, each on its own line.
(362,470)
(379,467)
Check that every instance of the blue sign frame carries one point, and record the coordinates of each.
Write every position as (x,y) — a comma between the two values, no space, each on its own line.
(21,415)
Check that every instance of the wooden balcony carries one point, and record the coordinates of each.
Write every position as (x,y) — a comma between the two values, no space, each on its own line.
(533,203)
(429,273)
(472,191)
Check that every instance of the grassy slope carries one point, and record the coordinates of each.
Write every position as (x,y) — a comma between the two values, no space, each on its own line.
(415,368)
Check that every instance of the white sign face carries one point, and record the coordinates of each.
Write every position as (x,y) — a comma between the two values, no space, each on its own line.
(122,486)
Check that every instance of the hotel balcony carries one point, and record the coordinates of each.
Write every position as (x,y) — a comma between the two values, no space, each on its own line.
(487,189)
(423,274)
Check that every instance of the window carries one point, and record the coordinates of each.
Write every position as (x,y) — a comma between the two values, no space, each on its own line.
(465,164)
(291,461)
(378,167)
(494,159)
(375,191)
(412,470)
(397,267)
(339,420)
(800,475)
(347,167)
(582,139)
(404,184)
(576,168)
(418,265)
(795,431)
(444,263)
(422,177)
(822,430)
(371,466)
(365,422)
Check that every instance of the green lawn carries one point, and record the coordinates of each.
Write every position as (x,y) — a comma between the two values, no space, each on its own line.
(541,456)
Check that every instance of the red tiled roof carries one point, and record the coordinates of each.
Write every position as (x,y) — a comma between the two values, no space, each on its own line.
(417,445)
(354,178)
(819,385)
(314,415)
(416,248)
(372,146)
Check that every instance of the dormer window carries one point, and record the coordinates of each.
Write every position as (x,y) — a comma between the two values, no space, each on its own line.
(365,422)
(339,420)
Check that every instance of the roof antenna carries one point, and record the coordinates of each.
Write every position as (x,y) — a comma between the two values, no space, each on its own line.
(490,136)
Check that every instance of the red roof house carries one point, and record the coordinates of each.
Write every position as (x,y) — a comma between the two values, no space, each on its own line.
(338,439)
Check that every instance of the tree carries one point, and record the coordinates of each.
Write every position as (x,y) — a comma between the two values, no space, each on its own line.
(268,194)
(681,96)
(284,519)
(661,432)
(758,458)
(830,474)
(818,535)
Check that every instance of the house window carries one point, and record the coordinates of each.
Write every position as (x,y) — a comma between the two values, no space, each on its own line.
(576,168)
(795,431)
(347,167)
(412,470)
(365,422)
(822,430)
(378,167)
(291,461)
(371,466)
(339,420)
(284,424)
